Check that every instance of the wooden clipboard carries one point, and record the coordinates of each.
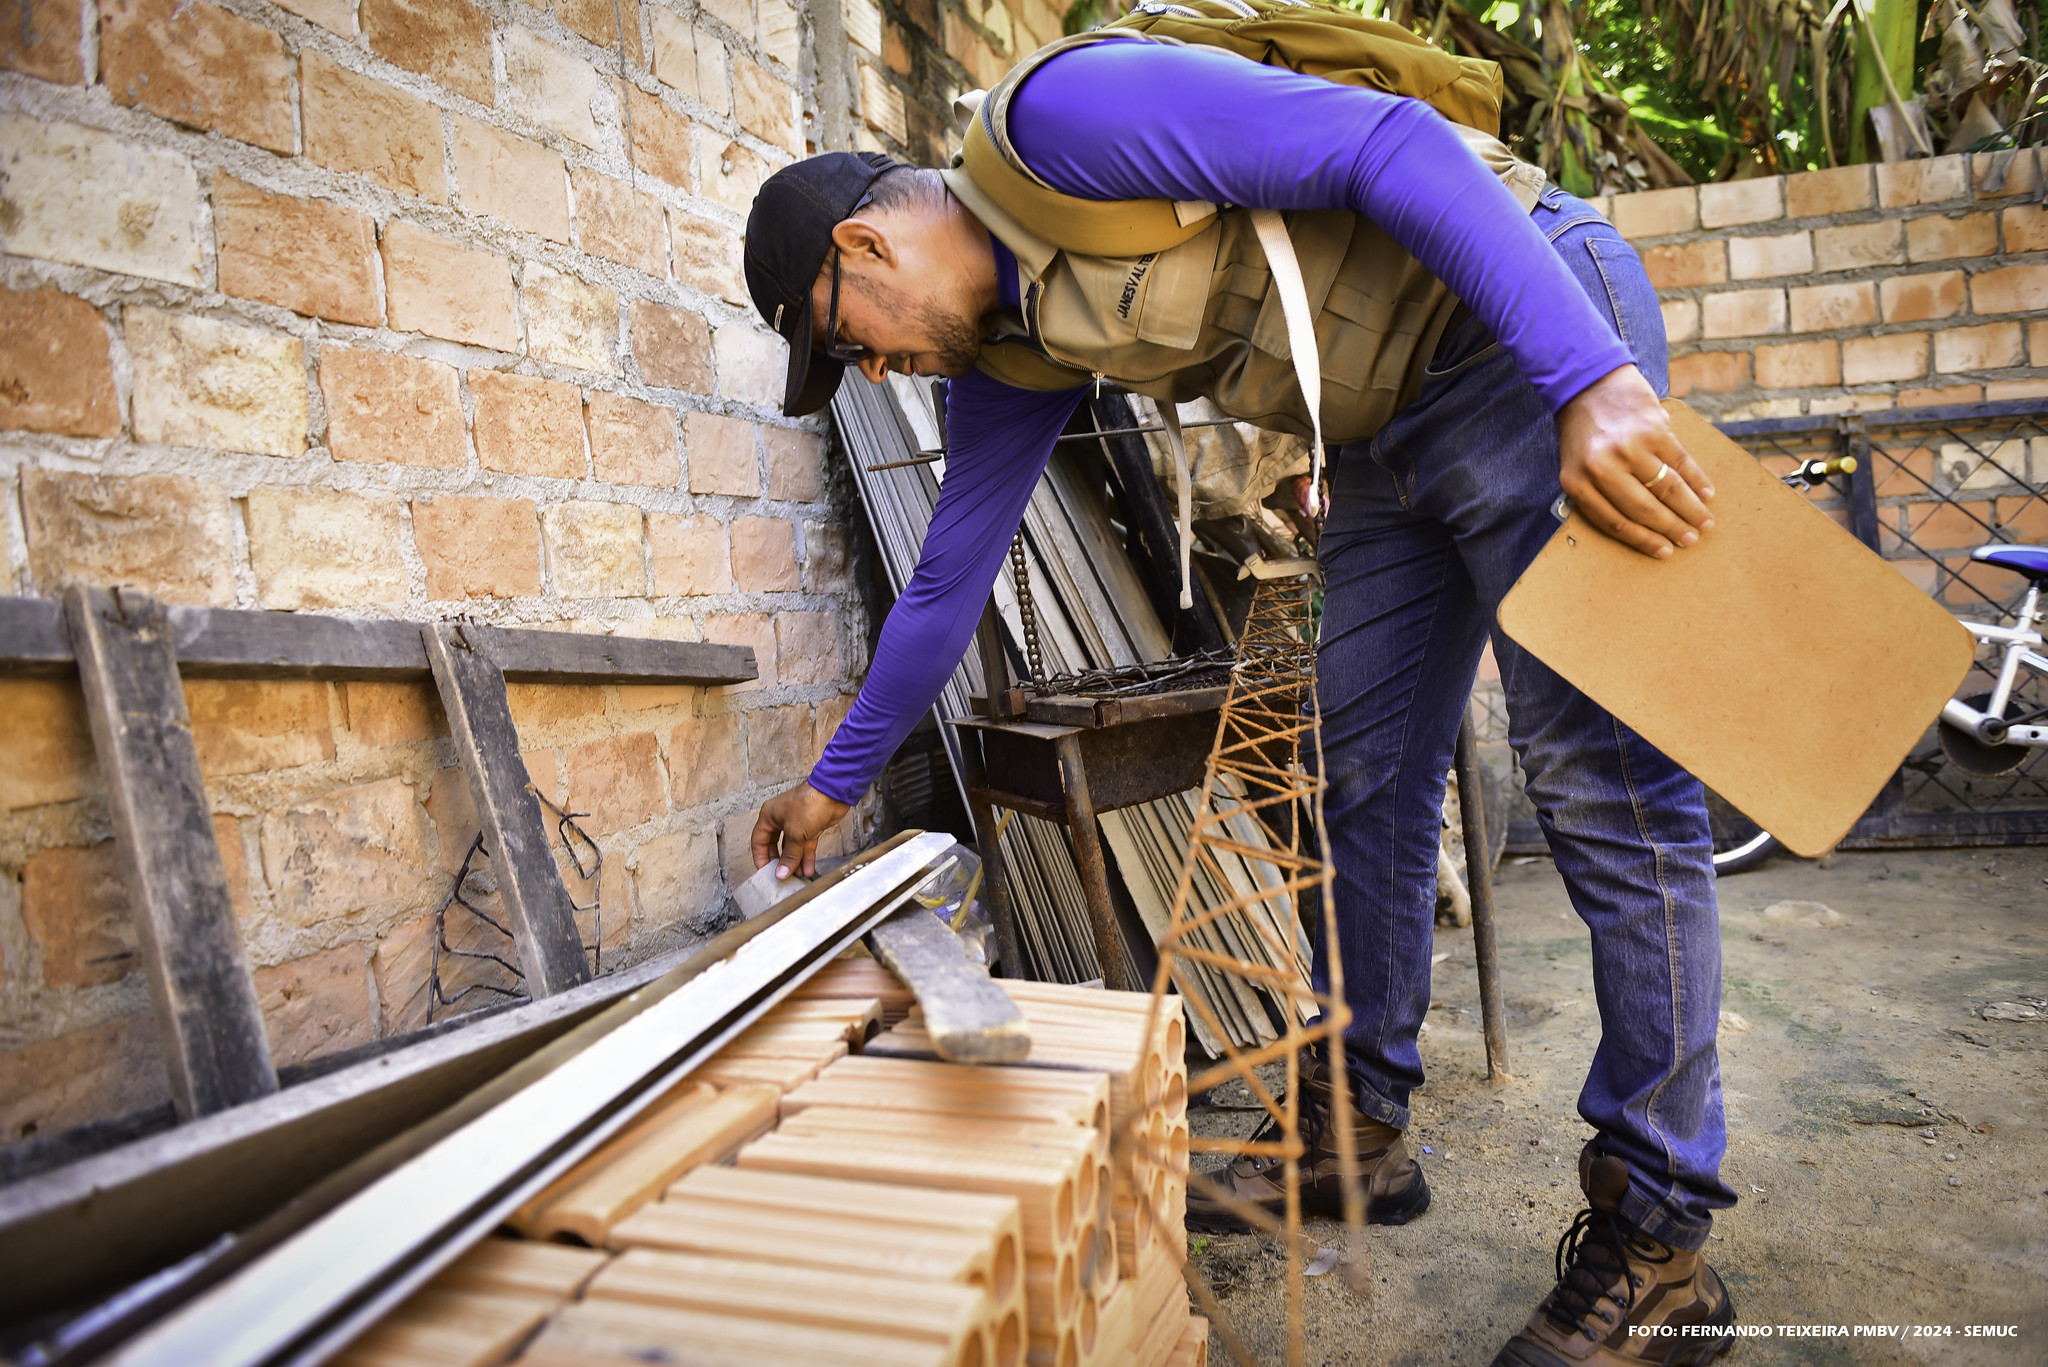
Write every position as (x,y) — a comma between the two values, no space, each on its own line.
(1778,660)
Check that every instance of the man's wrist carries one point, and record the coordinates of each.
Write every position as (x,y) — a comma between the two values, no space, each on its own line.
(822,789)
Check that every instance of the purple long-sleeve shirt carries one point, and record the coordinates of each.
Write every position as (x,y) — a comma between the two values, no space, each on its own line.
(1123,120)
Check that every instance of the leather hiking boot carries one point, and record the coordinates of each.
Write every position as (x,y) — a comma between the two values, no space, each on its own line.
(1395,1190)
(1622,1299)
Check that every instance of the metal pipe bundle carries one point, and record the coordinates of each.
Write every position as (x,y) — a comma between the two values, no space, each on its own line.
(1093,613)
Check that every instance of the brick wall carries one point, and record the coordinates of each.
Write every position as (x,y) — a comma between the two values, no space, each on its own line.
(889,84)
(395,308)
(1867,287)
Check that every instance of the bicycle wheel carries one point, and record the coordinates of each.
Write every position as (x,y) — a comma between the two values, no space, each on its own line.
(1739,843)
(1974,756)
(1743,855)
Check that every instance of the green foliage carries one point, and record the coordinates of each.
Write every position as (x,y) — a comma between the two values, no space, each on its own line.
(1636,56)
(1629,94)
(1683,126)
(1085,15)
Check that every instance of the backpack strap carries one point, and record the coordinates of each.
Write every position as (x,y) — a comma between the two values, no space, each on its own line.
(1308,373)
(1301,328)
(1116,228)
(1169,418)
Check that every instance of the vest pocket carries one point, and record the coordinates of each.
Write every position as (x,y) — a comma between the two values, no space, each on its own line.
(1368,340)
(1174,298)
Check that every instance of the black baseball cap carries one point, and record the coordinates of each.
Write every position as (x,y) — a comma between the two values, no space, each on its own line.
(789,233)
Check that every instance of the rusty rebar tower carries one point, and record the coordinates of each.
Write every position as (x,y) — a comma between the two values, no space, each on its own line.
(1266,768)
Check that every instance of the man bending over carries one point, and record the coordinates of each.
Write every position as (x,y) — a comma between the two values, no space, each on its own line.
(1481,354)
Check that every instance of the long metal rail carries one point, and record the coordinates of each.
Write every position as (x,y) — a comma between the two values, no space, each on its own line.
(309,1296)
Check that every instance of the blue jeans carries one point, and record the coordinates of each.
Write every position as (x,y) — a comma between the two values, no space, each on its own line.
(1431,522)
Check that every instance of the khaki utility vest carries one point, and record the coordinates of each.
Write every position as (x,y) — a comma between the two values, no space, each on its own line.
(1177,300)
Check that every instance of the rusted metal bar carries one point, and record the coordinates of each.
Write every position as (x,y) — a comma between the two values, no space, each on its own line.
(1093,868)
(1479,882)
(989,844)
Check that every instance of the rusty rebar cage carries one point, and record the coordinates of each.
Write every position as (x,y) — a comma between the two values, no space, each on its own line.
(1266,770)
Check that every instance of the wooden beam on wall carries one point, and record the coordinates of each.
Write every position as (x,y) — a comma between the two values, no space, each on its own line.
(231,643)
(207,1015)
(536,903)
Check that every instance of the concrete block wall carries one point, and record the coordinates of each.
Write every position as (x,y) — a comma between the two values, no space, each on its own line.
(1862,288)
(396,308)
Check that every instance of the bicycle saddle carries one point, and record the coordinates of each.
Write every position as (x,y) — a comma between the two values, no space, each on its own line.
(2032,561)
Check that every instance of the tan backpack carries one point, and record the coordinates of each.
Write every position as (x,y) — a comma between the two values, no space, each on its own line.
(1313,39)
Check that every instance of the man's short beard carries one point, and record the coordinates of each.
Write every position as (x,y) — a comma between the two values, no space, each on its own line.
(955,341)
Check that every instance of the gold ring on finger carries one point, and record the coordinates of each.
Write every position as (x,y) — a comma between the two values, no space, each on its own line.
(1662,470)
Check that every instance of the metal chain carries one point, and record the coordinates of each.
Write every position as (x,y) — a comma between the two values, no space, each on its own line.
(1027,611)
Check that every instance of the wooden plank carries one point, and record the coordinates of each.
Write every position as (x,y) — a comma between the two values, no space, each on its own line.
(480,719)
(34,641)
(230,643)
(90,1227)
(207,1017)
(545,656)
(971,1019)
(214,643)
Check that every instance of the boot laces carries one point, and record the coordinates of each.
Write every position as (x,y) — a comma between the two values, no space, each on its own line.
(1592,1251)
(1312,1115)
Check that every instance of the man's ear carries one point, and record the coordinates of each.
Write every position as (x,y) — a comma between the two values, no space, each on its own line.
(863,239)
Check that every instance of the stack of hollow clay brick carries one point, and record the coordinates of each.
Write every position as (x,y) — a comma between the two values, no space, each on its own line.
(864,1208)
(1106,1032)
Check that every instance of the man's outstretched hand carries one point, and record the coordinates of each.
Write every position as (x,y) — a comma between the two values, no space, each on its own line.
(789,826)
(1613,441)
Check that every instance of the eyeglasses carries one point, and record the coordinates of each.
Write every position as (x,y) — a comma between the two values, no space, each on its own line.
(847,353)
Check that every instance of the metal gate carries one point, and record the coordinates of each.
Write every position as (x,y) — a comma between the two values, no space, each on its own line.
(1931,485)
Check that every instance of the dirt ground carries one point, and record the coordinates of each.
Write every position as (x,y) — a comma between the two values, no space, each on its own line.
(1889,1142)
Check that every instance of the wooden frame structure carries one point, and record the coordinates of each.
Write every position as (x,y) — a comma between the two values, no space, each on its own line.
(129,652)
